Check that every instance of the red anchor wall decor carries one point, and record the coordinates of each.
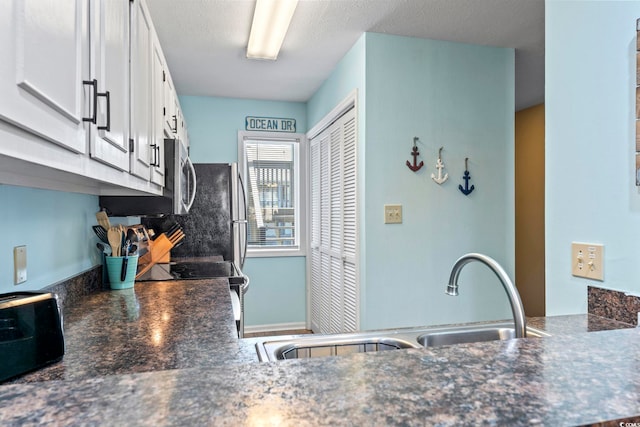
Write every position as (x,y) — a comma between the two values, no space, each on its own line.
(415,153)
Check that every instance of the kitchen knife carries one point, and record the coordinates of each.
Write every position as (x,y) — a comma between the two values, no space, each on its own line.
(172,229)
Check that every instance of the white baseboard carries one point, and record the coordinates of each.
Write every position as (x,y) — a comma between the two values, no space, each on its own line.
(252,329)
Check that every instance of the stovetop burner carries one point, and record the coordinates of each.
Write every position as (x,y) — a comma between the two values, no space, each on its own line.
(194,270)
(202,270)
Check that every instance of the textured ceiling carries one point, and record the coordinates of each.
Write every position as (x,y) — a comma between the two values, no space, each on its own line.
(204,41)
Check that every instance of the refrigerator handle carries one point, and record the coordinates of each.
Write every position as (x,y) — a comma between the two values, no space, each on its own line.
(246,227)
(193,191)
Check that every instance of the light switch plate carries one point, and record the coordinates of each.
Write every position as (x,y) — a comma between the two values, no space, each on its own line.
(587,260)
(19,264)
(393,214)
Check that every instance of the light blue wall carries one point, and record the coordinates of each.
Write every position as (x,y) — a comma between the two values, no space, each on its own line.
(213,123)
(277,294)
(590,141)
(56,228)
(349,75)
(452,95)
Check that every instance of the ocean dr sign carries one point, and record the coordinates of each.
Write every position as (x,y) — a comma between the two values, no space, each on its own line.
(270,124)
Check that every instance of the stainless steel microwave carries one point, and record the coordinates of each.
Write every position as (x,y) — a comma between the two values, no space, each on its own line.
(179,190)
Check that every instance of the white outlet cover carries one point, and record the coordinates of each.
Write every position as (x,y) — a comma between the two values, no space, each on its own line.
(19,264)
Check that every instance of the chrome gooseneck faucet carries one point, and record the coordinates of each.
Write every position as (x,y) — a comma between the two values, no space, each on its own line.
(514,297)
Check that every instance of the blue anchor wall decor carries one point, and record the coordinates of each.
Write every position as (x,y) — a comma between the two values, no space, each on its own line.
(415,167)
(466,190)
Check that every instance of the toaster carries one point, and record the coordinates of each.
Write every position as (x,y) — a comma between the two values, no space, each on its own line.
(31,334)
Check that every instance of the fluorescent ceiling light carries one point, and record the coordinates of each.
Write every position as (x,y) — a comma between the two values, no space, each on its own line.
(270,23)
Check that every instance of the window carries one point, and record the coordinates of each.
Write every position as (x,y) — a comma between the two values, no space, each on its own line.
(272,171)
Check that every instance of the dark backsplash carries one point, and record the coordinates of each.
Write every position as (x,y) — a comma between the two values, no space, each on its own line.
(73,290)
(207,226)
(614,305)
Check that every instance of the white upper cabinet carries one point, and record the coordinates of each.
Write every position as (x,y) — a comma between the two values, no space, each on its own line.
(182,127)
(109,135)
(141,89)
(44,51)
(159,76)
(84,91)
(148,78)
(170,107)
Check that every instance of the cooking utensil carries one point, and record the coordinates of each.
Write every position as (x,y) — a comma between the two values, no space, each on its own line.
(103,219)
(101,232)
(131,235)
(104,248)
(123,272)
(115,238)
(125,260)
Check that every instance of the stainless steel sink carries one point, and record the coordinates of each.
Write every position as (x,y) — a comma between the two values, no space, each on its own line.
(478,333)
(330,345)
(306,346)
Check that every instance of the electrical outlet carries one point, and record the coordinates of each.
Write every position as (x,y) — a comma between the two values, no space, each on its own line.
(587,260)
(393,214)
(19,264)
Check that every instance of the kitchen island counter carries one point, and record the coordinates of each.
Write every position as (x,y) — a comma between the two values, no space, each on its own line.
(167,354)
(563,380)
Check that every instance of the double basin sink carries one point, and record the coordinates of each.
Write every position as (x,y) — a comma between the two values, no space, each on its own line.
(306,346)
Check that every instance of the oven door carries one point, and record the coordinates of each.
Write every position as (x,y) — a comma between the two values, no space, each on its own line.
(184,181)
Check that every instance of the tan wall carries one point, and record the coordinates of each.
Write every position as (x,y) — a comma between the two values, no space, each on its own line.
(529,171)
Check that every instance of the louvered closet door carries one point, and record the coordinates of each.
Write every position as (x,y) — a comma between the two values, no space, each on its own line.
(334,290)
(320,284)
(351,290)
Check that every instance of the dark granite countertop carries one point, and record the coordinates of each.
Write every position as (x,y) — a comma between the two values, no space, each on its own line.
(151,327)
(166,354)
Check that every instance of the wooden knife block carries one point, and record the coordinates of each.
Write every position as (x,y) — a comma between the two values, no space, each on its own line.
(159,252)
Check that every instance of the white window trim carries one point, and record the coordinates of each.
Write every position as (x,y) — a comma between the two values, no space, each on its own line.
(301,208)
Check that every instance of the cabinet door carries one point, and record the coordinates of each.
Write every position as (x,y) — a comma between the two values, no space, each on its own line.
(157,146)
(44,48)
(182,127)
(170,104)
(109,136)
(141,89)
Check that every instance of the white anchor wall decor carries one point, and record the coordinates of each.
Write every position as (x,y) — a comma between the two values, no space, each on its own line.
(439,165)
(415,153)
(466,190)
